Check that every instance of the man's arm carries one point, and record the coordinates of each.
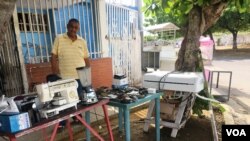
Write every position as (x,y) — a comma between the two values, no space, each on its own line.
(87,64)
(54,64)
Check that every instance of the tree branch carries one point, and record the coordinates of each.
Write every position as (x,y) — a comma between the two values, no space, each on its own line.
(213,12)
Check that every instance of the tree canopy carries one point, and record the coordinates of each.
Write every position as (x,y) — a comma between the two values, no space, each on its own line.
(234,21)
(176,11)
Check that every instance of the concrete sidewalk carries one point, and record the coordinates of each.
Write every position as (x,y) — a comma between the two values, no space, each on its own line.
(238,106)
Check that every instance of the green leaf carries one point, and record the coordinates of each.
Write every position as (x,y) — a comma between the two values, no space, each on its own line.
(188,8)
(167,10)
(200,2)
(242,9)
(242,5)
(171,3)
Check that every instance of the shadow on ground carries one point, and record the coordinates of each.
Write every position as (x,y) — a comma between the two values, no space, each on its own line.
(229,54)
(196,129)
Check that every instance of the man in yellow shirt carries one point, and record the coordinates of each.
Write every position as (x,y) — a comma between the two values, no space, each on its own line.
(69,52)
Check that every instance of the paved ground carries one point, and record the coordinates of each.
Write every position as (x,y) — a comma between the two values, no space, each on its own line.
(238,106)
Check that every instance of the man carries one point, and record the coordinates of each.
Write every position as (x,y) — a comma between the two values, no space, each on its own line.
(69,52)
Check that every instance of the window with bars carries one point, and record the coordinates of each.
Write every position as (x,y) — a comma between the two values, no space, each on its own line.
(38,22)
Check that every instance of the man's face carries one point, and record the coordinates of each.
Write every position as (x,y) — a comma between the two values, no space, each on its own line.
(73,28)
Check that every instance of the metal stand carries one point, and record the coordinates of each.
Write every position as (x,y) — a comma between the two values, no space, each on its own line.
(211,73)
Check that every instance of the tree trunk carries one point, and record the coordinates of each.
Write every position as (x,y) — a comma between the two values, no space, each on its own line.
(6,10)
(187,56)
(235,40)
(199,20)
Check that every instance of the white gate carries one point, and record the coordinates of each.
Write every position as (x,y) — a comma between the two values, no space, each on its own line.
(41,20)
(124,41)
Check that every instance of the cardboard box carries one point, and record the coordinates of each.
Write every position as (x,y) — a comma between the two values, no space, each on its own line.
(120,82)
(14,123)
(168,111)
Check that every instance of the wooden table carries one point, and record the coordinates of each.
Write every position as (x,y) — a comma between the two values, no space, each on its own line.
(124,110)
(55,120)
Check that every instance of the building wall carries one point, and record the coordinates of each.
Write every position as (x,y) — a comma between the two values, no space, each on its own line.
(101,70)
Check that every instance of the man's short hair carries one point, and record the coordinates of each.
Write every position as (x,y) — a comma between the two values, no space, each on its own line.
(73,20)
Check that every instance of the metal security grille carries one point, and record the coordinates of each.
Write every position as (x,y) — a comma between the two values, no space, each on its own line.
(41,20)
(124,41)
(10,72)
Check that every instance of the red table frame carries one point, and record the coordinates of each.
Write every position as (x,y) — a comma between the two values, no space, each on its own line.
(55,120)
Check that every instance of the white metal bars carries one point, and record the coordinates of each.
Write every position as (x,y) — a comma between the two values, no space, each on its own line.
(41,20)
(124,41)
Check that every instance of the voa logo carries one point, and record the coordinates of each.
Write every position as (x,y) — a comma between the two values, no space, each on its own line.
(236,132)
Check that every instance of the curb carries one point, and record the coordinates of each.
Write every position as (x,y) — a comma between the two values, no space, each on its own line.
(236,112)
(228,116)
(242,104)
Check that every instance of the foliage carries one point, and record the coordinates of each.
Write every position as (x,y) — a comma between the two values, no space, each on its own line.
(219,107)
(149,38)
(160,15)
(233,20)
(176,11)
(152,8)
(200,104)
(240,21)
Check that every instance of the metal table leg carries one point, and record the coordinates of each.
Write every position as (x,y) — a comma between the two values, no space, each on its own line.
(127,123)
(89,128)
(54,132)
(12,138)
(149,115)
(120,119)
(70,131)
(157,119)
(229,89)
(218,78)
(104,107)
(211,82)
(87,119)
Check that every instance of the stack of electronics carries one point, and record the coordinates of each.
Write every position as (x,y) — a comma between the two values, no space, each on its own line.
(12,119)
(120,81)
(125,95)
(29,103)
(62,94)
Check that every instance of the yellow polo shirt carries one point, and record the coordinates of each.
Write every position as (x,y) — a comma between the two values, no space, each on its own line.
(71,55)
